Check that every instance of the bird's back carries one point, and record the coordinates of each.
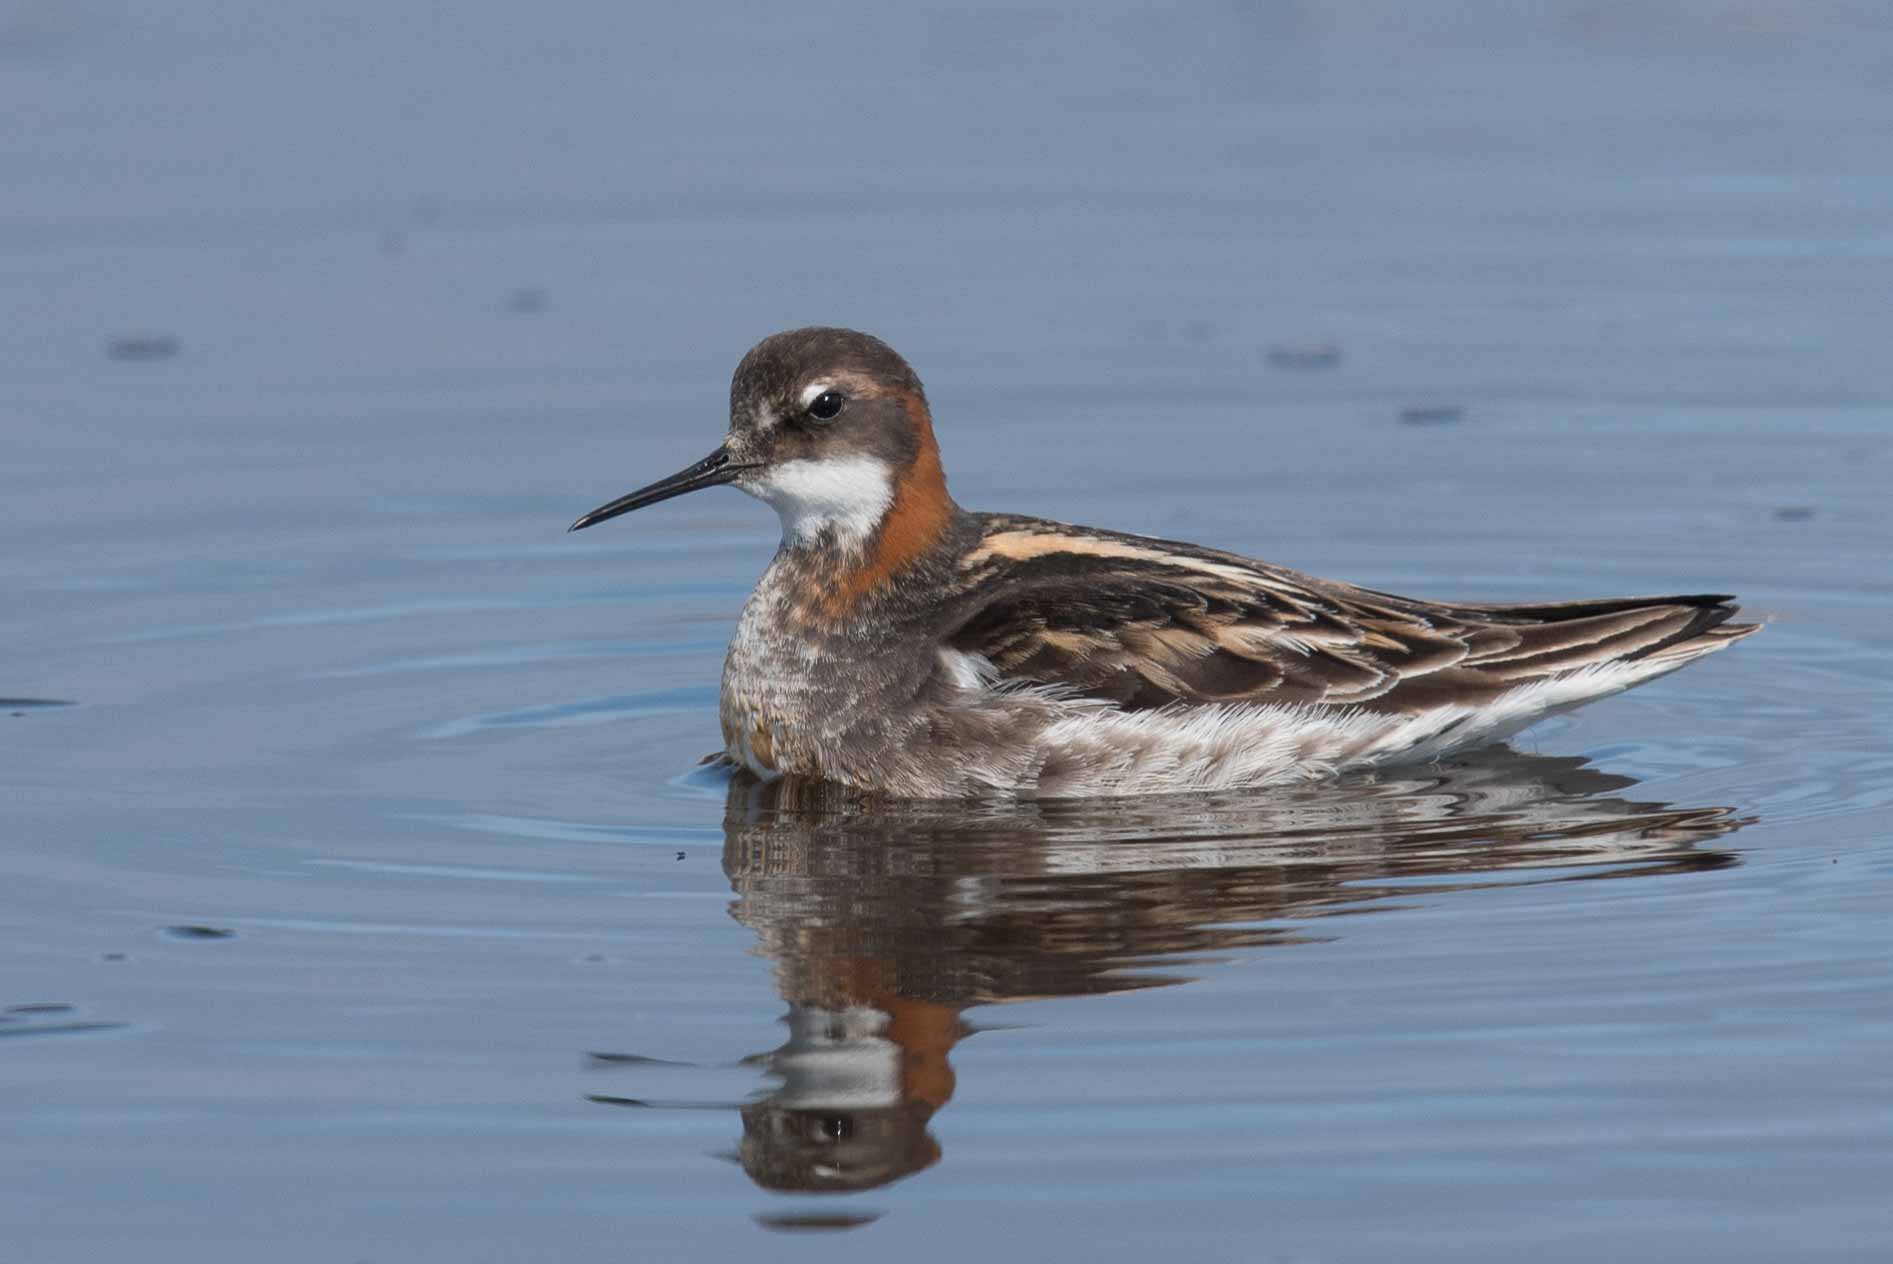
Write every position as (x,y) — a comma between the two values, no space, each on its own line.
(1146,623)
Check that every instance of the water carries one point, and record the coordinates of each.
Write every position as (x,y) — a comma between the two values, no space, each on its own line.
(360,901)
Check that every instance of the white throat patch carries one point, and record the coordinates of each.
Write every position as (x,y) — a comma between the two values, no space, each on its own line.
(850,494)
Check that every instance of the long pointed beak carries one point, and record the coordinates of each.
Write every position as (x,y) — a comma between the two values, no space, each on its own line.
(715,469)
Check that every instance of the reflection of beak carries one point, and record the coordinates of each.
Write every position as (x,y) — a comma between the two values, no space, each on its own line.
(713,470)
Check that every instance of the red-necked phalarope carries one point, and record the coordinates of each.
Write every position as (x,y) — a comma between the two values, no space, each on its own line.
(899,644)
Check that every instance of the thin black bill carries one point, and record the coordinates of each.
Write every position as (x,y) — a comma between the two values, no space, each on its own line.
(712,471)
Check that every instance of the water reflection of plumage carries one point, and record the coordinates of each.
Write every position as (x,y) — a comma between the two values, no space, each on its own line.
(885,922)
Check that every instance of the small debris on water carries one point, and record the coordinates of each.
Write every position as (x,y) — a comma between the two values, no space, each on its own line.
(816,1222)
(1304,355)
(197,932)
(526,301)
(142,347)
(1432,414)
(33,1020)
(631,1059)
(18,707)
(1793,513)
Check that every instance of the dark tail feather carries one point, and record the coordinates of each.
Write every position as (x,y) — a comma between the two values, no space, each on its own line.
(1558,611)
(1706,629)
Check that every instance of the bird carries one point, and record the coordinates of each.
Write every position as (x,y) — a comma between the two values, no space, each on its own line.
(904,647)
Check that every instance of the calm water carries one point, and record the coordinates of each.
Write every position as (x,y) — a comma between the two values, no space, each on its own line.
(361,904)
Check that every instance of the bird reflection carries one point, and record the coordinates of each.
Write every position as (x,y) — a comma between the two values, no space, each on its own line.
(885,922)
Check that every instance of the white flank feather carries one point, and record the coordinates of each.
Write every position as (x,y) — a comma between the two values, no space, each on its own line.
(1099,750)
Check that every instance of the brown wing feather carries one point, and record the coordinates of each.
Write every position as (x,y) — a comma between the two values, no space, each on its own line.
(1146,623)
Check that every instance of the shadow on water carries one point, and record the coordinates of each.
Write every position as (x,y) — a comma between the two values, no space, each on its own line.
(885,923)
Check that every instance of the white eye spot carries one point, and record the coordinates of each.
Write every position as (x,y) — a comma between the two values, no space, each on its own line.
(814,391)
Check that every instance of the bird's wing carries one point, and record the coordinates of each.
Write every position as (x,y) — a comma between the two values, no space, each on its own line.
(1146,623)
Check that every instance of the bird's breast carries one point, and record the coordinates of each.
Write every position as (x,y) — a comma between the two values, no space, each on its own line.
(779,682)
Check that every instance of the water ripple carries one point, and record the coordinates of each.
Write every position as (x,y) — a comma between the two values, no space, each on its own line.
(521,655)
(418,609)
(586,711)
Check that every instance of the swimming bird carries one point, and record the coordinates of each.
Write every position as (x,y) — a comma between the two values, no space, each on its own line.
(901,645)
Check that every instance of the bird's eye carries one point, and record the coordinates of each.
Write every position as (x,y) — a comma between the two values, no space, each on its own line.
(827,405)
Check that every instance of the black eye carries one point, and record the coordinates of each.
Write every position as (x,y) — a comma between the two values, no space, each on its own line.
(827,405)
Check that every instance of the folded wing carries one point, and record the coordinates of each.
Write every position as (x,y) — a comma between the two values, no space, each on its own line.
(1147,623)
